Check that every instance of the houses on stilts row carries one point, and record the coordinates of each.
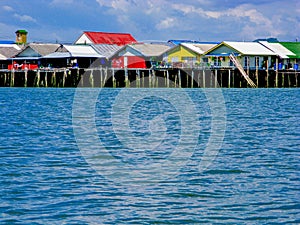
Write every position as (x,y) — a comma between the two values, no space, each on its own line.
(101,59)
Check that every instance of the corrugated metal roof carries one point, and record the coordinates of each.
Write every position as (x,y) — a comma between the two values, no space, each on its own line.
(13,45)
(293,47)
(149,50)
(110,38)
(2,57)
(106,50)
(177,42)
(278,49)
(82,51)
(198,48)
(57,55)
(249,48)
(8,52)
(44,49)
(40,49)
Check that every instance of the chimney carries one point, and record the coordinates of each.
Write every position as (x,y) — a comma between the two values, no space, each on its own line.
(21,36)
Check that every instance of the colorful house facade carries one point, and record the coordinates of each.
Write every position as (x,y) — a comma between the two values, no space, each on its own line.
(251,55)
(30,56)
(91,37)
(187,54)
(284,55)
(294,59)
(73,56)
(139,55)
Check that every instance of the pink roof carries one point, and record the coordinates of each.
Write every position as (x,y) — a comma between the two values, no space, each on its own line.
(110,38)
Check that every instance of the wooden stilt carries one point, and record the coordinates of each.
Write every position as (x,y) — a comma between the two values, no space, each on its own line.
(187,80)
(38,75)
(12,78)
(105,77)
(113,78)
(168,79)
(25,78)
(149,78)
(153,80)
(233,77)
(46,79)
(64,78)
(276,76)
(203,73)
(267,73)
(229,77)
(126,78)
(179,78)
(5,79)
(91,79)
(101,76)
(256,70)
(192,81)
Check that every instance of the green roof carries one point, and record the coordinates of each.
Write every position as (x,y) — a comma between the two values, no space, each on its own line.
(22,31)
(293,47)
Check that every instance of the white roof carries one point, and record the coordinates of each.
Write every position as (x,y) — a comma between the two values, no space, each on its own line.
(198,48)
(11,45)
(82,51)
(2,57)
(249,48)
(278,49)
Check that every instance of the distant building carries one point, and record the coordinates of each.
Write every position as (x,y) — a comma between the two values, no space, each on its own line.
(21,36)
(120,39)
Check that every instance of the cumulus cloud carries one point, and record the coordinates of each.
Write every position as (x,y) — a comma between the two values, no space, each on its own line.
(122,5)
(166,23)
(24,18)
(7,8)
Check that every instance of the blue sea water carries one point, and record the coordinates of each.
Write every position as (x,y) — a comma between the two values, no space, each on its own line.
(53,170)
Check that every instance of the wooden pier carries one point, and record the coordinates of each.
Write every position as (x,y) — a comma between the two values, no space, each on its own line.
(148,78)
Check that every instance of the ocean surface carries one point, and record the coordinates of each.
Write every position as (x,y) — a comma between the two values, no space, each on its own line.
(149,156)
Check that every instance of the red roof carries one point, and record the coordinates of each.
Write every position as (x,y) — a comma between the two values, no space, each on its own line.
(110,38)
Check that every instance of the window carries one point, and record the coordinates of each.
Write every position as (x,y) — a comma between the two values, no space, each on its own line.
(256,61)
(246,62)
(188,59)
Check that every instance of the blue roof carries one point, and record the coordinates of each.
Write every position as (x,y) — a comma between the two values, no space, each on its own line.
(7,42)
(177,42)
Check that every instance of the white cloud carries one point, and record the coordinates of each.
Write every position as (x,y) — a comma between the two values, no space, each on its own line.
(7,8)
(122,5)
(166,23)
(61,2)
(232,20)
(24,18)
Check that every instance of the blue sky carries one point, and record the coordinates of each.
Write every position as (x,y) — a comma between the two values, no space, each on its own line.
(205,20)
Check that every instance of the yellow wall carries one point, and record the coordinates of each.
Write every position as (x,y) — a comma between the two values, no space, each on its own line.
(181,52)
(21,37)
